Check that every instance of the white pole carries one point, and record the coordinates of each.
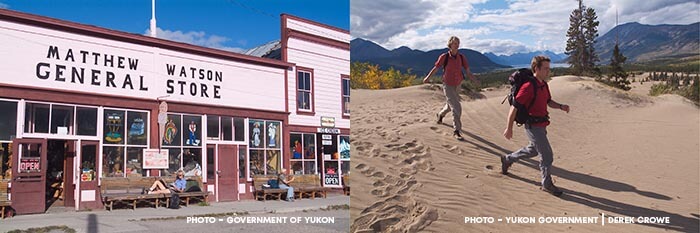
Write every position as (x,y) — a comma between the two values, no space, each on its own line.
(153,18)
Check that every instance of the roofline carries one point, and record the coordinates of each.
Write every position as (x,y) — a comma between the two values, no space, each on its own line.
(284,15)
(89,30)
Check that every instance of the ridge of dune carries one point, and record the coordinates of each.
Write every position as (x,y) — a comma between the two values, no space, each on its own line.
(622,154)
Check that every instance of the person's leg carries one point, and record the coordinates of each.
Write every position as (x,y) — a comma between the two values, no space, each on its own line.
(528,151)
(452,93)
(545,150)
(446,108)
(288,188)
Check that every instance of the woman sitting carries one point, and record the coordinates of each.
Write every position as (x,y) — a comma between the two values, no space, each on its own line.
(159,186)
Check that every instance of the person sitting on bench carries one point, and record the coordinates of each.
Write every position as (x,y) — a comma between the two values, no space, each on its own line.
(178,186)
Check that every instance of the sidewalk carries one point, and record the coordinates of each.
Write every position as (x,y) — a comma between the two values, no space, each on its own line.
(121,220)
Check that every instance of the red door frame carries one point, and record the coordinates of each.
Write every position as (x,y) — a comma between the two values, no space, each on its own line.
(29,189)
(89,185)
(68,172)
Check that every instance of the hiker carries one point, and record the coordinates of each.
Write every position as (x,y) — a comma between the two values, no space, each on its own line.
(159,186)
(535,102)
(452,63)
(284,184)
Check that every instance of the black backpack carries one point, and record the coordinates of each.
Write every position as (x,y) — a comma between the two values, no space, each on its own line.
(516,80)
(174,201)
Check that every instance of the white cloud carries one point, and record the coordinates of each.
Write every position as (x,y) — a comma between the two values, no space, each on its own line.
(4,6)
(533,24)
(199,38)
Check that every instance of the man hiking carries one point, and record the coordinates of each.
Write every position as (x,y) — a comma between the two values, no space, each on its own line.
(535,102)
(452,63)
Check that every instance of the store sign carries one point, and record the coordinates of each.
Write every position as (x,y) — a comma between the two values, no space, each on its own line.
(326,137)
(76,63)
(328,122)
(155,159)
(27,165)
(328,130)
(327,142)
(332,179)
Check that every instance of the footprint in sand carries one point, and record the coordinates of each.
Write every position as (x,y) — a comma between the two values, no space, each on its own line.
(396,213)
(361,166)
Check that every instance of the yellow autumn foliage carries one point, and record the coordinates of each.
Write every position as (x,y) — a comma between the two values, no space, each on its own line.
(364,75)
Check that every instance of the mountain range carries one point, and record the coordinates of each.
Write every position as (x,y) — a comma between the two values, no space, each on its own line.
(524,58)
(419,62)
(644,43)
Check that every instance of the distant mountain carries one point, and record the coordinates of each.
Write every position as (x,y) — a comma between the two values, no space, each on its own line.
(524,58)
(419,62)
(644,43)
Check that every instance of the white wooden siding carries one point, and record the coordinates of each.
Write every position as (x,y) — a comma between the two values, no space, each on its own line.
(328,64)
(318,31)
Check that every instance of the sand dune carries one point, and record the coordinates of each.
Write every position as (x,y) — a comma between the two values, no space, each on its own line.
(620,154)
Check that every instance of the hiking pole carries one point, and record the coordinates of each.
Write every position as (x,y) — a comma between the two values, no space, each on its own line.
(504,99)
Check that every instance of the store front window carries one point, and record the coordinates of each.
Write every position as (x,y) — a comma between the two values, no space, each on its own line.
(265,147)
(303,151)
(183,140)
(125,136)
(8,131)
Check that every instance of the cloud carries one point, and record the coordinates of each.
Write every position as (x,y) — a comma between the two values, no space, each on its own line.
(199,38)
(523,26)
(4,6)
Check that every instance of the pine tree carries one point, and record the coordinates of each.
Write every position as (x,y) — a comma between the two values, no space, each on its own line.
(580,45)
(616,71)
(575,41)
(590,33)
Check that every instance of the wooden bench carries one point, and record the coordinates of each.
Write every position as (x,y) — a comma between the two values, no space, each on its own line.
(261,193)
(308,185)
(5,203)
(128,191)
(346,184)
(186,196)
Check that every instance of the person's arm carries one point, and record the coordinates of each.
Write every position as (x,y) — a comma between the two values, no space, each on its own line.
(563,107)
(435,67)
(290,180)
(471,76)
(427,77)
(508,133)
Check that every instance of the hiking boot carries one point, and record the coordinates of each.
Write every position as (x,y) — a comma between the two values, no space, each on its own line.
(551,189)
(457,135)
(439,118)
(505,164)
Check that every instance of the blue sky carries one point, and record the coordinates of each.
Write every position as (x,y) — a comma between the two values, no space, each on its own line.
(500,26)
(233,25)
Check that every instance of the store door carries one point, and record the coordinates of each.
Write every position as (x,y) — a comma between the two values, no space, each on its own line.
(29,176)
(89,192)
(227,173)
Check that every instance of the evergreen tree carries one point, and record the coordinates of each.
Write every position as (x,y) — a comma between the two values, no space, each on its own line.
(583,30)
(575,42)
(590,33)
(616,71)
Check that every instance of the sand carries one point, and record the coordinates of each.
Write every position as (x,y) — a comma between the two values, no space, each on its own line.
(617,154)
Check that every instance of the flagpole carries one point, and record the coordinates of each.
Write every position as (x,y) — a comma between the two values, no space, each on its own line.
(153,18)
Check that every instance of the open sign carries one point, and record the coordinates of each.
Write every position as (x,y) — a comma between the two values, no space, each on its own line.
(29,165)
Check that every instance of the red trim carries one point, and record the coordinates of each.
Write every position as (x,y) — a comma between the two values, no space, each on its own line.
(318,39)
(343,77)
(296,89)
(284,37)
(88,30)
(312,129)
(285,16)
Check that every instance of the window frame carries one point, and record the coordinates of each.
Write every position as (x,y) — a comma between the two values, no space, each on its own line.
(344,105)
(312,101)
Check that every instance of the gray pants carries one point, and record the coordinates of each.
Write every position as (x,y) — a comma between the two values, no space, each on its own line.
(539,144)
(452,95)
(290,191)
